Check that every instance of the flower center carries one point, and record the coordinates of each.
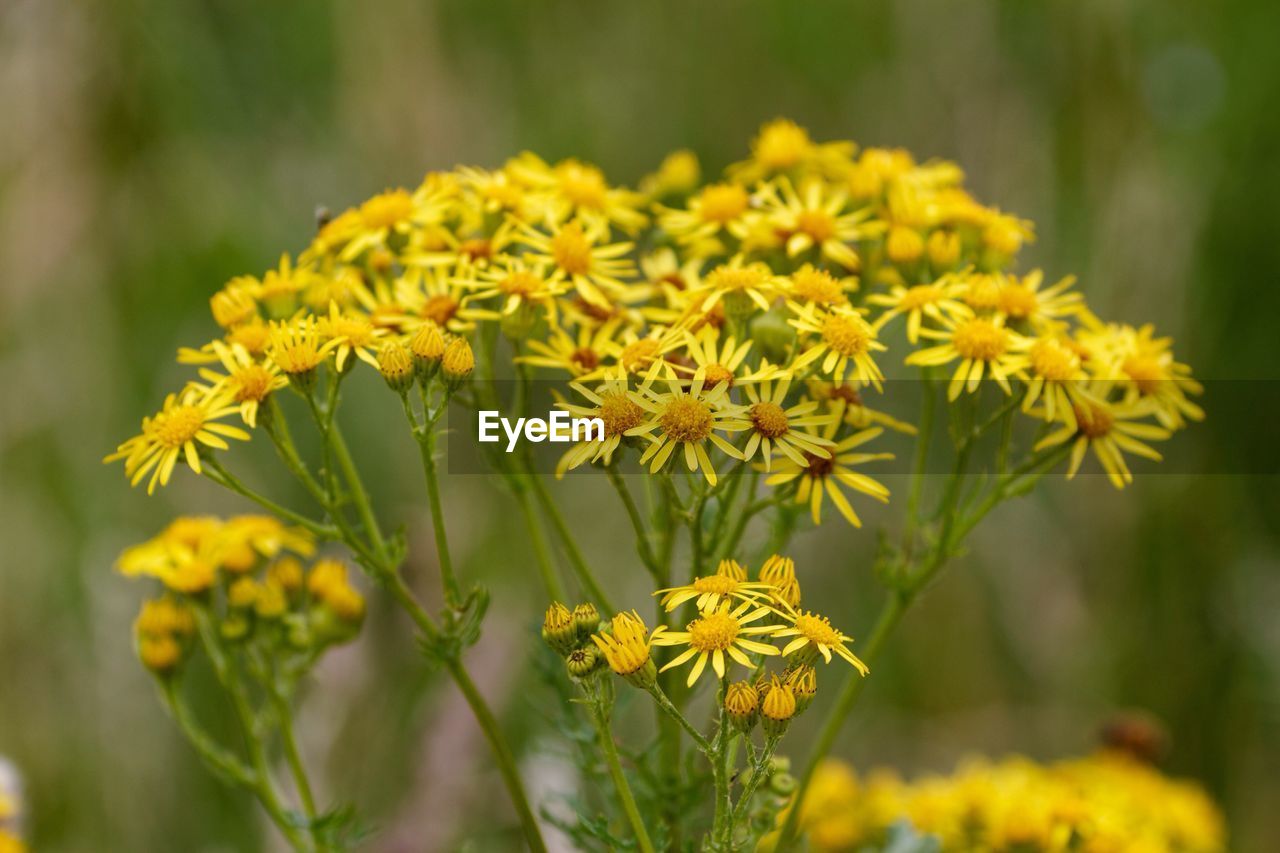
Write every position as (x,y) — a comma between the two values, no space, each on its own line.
(1018,301)
(477,249)
(1053,362)
(571,250)
(847,393)
(713,632)
(1093,421)
(919,296)
(717,373)
(252,382)
(769,419)
(637,355)
(583,185)
(520,283)
(979,339)
(619,413)
(847,335)
(439,309)
(178,425)
(252,336)
(1146,372)
(357,331)
(736,278)
(585,358)
(817,286)
(722,202)
(687,419)
(819,466)
(818,629)
(387,209)
(818,224)
(721,584)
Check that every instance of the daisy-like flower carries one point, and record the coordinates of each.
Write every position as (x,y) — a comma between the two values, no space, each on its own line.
(185,422)
(350,334)
(1054,375)
(677,174)
(1111,430)
(826,474)
(626,648)
(577,355)
(277,291)
(856,413)
(784,146)
(984,346)
(394,217)
(780,573)
(934,301)
(572,188)
(575,256)
(717,633)
(876,170)
(494,192)
(613,405)
(787,430)
(518,283)
(735,283)
(715,210)
(729,583)
(1144,367)
(298,349)
(688,420)
(720,362)
(441,295)
(844,340)
(234,304)
(812,286)
(247,379)
(1023,300)
(814,217)
(811,631)
(634,355)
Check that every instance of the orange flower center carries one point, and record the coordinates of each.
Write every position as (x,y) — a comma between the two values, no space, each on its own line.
(769,419)
(175,427)
(818,224)
(252,383)
(619,413)
(1051,361)
(638,354)
(715,583)
(1018,301)
(717,373)
(1093,421)
(817,286)
(849,336)
(439,309)
(979,339)
(686,419)
(818,629)
(713,632)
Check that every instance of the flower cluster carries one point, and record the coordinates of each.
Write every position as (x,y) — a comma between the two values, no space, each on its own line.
(739,320)
(247,576)
(1107,801)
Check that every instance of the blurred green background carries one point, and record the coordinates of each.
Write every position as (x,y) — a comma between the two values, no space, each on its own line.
(153,149)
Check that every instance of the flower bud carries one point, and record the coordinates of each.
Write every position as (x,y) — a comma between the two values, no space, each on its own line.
(777,707)
(235,627)
(803,681)
(395,363)
(160,653)
(904,245)
(559,629)
(944,250)
(626,648)
(242,594)
(458,362)
(427,348)
(742,704)
(582,662)
(587,620)
(272,601)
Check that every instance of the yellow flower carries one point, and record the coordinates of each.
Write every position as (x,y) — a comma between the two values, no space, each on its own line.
(626,648)
(518,283)
(350,334)
(1111,430)
(457,362)
(1022,300)
(717,633)
(1054,374)
(235,304)
(715,209)
(844,340)
(737,282)
(784,429)
(812,630)
(810,285)
(825,475)
(983,346)
(559,628)
(575,256)
(934,301)
(784,146)
(248,380)
(577,355)
(687,419)
(678,173)
(396,364)
(298,349)
(572,188)
(742,705)
(614,406)
(777,706)
(186,422)
(1144,366)
(780,573)
(727,584)
(814,217)
(328,584)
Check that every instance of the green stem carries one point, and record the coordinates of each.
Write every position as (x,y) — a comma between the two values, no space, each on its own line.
(226,479)
(637,522)
(758,767)
(294,758)
(541,550)
(672,711)
(430,470)
(601,717)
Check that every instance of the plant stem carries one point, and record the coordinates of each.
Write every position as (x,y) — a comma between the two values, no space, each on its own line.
(579,565)
(637,523)
(665,704)
(226,479)
(600,715)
